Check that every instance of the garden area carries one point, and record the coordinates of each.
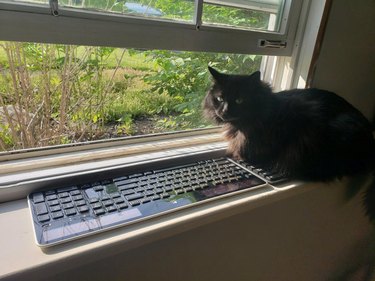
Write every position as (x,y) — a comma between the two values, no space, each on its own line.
(58,94)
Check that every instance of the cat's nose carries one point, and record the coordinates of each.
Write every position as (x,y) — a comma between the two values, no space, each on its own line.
(224,109)
(225,115)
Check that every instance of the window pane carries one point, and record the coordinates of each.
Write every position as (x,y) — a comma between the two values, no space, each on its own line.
(262,14)
(60,94)
(181,10)
(43,2)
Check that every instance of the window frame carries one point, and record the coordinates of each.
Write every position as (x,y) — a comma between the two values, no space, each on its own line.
(91,28)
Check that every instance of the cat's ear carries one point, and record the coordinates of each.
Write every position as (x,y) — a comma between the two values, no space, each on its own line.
(216,74)
(255,76)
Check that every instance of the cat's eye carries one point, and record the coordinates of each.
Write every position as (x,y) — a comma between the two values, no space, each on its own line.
(239,100)
(219,99)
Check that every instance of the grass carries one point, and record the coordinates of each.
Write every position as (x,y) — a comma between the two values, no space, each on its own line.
(133,97)
(131,59)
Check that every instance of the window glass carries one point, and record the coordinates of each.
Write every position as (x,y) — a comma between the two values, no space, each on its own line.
(245,14)
(263,14)
(43,2)
(182,10)
(59,94)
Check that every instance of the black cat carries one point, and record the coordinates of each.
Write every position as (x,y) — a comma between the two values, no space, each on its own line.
(306,134)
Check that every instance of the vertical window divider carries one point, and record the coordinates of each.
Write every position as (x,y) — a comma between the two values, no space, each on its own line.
(198,14)
(54,6)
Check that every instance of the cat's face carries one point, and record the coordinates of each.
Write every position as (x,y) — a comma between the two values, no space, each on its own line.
(231,97)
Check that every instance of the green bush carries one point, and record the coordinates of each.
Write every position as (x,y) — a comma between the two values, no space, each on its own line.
(184,76)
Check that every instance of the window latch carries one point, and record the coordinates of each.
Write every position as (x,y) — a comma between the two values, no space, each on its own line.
(54,5)
(276,44)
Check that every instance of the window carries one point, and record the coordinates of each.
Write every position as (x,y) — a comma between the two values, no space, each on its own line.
(63,94)
(65,64)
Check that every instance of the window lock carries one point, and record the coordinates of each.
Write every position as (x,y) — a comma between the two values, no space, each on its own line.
(276,44)
(54,5)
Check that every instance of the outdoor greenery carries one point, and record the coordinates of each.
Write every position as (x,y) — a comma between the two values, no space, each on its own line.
(56,94)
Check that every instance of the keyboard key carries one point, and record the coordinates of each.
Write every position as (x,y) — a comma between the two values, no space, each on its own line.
(134,203)
(179,191)
(134,196)
(111,209)
(146,199)
(96,205)
(65,200)
(149,193)
(122,206)
(135,176)
(155,197)
(127,183)
(107,203)
(77,197)
(91,193)
(70,212)
(99,212)
(118,200)
(43,218)
(188,188)
(168,188)
(51,197)
(80,203)
(127,186)
(151,187)
(63,194)
(53,203)
(165,195)
(159,190)
(40,209)
(115,195)
(83,209)
(55,208)
(139,189)
(94,200)
(38,197)
(57,215)
(127,192)
(75,192)
(68,206)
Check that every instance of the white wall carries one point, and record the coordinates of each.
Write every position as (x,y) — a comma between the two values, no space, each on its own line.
(346,64)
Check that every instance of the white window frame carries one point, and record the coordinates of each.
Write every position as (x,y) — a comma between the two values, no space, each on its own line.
(23,21)
(35,23)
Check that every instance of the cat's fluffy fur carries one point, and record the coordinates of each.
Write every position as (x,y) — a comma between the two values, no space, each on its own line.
(307,134)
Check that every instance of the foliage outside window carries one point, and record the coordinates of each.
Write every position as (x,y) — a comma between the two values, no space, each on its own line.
(56,94)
